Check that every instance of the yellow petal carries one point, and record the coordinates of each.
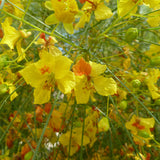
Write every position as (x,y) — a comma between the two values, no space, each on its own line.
(46,59)
(125,6)
(11,90)
(77,136)
(154,19)
(21,53)
(97,69)
(64,139)
(41,95)
(62,66)
(102,12)
(54,51)
(130,126)
(153,49)
(67,83)
(17,11)
(73,149)
(147,122)
(32,76)
(48,5)
(84,18)
(68,27)
(11,35)
(153,3)
(81,92)
(51,19)
(105,86)
(153,90)
(151,81)
(65,11)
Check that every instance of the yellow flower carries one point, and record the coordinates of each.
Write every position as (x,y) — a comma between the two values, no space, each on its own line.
(91,125)
(48,72)
(48,44)
(154,19)
(13,9)
(75,141)
(64,11)
(11,35)
(101,12)
(56,122)
(153,49)
(141,129)
(8,81)
(152,3)
(151,80)
(14,37)
(89,80)
(126,6)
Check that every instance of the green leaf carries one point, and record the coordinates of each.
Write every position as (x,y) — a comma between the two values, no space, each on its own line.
(28,155)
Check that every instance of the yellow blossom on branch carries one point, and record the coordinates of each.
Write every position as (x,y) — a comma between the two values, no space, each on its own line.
(75,140)
(13,37)
(48,44)
(127,6)
(101,12)
(89,80)
(64,11)
(50,71)
(141,129)
(151,81)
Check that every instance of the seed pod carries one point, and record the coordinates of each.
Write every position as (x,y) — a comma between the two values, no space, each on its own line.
(136,83)
(3,89)
(155,61)
(131,34)
(143,134)
(123,105)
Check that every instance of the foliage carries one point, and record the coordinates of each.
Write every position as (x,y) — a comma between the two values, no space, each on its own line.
(79,79)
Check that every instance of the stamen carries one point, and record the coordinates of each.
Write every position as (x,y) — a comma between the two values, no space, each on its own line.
(44,69)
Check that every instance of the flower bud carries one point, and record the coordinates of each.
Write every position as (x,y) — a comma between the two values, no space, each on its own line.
(136,83)
(123,105)
(3,89)
(131,34)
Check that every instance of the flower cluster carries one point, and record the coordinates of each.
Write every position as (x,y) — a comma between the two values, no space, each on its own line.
(79,79)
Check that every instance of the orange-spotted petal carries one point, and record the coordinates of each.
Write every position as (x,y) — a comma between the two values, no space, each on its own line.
(82,68)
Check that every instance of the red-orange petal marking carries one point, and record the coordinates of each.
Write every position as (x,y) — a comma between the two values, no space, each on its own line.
(137,125)
(82,68)
(44,69)
(1,33)
(82,1)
